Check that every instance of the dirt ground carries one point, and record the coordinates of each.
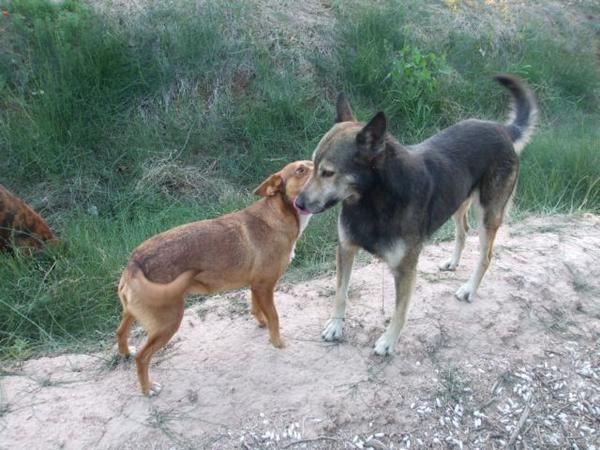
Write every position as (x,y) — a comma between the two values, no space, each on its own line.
(518,367)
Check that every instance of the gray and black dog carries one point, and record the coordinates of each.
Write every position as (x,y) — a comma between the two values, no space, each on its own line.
(394,197)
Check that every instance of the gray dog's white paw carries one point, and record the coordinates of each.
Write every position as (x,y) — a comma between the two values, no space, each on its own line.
(448,266)
(384,345)
(466,293)
(333,330)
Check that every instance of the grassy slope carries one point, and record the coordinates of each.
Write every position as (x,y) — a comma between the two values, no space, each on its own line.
(119,126)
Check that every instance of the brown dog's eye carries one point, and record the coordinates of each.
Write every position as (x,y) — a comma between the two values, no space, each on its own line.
(300,170)
(327,173)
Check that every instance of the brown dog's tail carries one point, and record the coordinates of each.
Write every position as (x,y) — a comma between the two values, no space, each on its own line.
(123,288)
(523,118)
(134,285)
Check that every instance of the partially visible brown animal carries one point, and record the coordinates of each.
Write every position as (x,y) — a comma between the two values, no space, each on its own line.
(251,247)
(20,225)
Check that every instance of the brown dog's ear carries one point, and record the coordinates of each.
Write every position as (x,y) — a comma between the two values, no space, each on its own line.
(270,186)
(343,110)
(371,137)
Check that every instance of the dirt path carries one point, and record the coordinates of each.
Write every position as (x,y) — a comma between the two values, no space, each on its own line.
(521,365)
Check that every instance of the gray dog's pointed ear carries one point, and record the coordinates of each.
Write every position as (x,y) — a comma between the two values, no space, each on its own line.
(371,137)
(343,110)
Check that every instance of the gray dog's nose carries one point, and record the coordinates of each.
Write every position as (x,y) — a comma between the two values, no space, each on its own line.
(300,202)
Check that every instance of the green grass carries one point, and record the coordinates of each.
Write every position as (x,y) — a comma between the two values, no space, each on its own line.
(382,68)
(560,170)
(118,126)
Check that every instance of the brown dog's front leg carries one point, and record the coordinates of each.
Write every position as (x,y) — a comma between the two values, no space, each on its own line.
(263,293)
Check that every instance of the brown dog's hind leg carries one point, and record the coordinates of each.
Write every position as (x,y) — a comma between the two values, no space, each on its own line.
(161,326)
(257,312)
(263,293)
(128,319)
(123,333)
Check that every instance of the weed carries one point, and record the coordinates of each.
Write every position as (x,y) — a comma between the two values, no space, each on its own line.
(506,378)
(4,408)
(4,404)
(160,419)
(113,361)
(580,281)
(556,320)
(453,385)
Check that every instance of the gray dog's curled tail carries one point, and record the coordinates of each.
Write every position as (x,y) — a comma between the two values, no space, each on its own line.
(523,117)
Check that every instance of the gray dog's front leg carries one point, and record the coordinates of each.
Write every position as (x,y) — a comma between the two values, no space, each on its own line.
(404,280)
(345,259)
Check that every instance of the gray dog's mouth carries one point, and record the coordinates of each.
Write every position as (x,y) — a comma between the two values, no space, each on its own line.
(304,208)
(301,209)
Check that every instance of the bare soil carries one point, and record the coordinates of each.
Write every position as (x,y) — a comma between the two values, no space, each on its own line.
(519,367)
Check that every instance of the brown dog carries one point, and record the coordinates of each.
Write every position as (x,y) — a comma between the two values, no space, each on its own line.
(251,247)
(20,225)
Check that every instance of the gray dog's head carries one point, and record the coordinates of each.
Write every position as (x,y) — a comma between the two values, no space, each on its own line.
(343,160)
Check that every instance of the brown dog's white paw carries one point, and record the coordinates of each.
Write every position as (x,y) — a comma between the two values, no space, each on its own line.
(154,390)
(277,343)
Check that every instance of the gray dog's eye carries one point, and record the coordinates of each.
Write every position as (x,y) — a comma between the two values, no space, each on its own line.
(327,173)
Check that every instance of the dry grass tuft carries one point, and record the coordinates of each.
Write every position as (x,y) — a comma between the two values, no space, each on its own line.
(174,180)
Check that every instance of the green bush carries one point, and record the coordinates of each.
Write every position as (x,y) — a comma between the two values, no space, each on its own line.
(384,69)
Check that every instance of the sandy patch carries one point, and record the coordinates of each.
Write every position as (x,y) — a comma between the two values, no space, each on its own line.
(520,365)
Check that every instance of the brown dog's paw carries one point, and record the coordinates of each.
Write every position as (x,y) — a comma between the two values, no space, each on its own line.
(278,343)
(153,390)
(127,353)
(260,318)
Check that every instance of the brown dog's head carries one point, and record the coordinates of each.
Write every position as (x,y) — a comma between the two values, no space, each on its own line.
(288,181)
(343,160)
